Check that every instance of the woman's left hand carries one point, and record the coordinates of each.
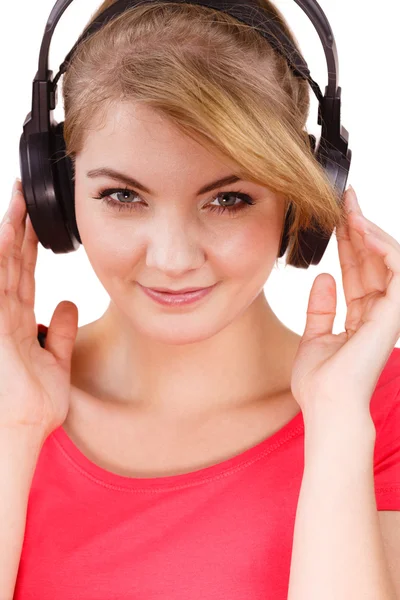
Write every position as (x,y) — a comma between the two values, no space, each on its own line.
(340,372)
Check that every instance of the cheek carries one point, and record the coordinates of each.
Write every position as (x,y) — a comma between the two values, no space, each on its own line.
(250,248)
(114,254)
(110,245)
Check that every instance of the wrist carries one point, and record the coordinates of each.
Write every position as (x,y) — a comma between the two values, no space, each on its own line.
(350,432)
(349,419)
(25,436)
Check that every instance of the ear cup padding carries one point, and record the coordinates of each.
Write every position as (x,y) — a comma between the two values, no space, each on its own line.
(64,172)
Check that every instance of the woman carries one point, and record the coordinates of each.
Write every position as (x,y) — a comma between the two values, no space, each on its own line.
(172,466)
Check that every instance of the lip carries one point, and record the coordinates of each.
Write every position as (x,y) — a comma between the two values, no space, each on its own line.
(177,299)
(183,291)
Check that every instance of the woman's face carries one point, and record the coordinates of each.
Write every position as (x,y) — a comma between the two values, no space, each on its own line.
(171,235)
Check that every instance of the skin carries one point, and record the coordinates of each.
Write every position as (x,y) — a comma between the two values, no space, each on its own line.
(227,350)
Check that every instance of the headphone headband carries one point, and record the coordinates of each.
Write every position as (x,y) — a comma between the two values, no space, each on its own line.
(252,13)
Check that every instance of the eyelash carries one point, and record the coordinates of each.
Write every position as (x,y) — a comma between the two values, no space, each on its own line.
(104,196)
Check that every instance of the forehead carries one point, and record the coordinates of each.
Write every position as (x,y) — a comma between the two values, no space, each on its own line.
(144,135)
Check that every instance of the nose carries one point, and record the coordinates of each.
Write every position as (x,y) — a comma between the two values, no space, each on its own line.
(174,249)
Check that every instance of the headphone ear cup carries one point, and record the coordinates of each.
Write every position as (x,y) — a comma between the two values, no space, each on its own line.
(336,165)
(312,244)
(47,188)
(65,175)
(288,218)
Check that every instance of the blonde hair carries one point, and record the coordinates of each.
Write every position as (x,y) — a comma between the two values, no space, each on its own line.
(222,84)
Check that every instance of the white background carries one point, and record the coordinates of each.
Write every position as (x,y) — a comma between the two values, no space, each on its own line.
(366,40)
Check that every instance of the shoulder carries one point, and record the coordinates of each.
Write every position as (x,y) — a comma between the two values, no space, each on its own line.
(385,413)
(385,400)
(392,368)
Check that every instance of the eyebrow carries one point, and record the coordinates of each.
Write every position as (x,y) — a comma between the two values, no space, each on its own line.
(106,172)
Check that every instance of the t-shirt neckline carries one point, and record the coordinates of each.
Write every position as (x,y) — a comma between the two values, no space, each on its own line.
(102,476)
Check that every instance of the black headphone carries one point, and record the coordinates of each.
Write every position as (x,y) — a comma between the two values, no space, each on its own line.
(47,173)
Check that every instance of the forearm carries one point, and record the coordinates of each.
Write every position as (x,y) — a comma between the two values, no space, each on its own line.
(19,451)
(338,550)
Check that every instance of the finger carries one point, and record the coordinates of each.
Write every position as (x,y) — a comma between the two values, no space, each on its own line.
(17,216)
(349,263)
(321,309)
(6,240)
(7,234)
(363,270)
(361,223)
(391,258)
(374,273)
(357,217)
(26,290)
(349,250)
(6,216)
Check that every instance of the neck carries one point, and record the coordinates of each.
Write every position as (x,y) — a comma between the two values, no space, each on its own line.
(247,360)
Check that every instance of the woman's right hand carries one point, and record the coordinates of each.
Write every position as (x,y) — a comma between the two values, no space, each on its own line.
(34,381)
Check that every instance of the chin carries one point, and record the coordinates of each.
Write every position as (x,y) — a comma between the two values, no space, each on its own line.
(165,333)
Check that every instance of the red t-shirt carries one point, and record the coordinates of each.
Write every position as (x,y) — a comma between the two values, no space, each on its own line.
(222,532)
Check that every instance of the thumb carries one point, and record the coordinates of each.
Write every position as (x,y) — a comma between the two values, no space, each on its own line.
(321,311)
(62,332)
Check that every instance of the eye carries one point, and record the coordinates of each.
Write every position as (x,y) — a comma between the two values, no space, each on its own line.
(120,204)
(245,202)
(124,203)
